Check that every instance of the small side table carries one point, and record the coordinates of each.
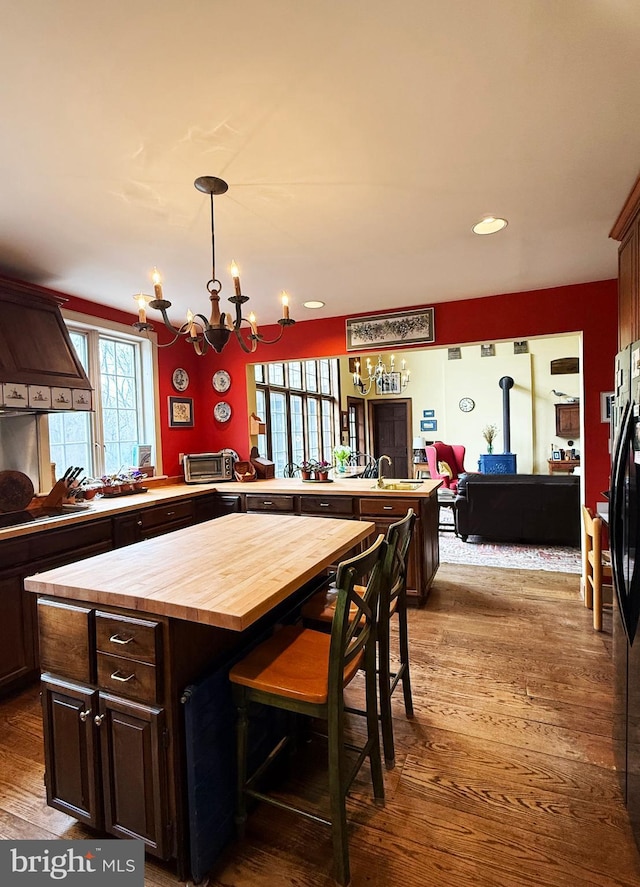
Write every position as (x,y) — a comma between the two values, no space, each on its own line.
(421,470)
(560,465)
(447,499)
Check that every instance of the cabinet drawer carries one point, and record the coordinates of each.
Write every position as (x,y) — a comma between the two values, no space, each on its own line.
(386,506)
(270,503)
(65,639)
(340,506)
(163,515)
(127,637)
(126,677)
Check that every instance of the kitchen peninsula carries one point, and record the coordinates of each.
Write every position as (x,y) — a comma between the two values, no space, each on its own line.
(128,637)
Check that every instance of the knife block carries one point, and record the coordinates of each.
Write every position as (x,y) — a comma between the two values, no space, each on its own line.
(58,493)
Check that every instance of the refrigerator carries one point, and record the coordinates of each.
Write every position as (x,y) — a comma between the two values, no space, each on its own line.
(624,542)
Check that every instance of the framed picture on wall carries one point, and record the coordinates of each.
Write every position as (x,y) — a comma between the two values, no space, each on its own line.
(180,412)
(428,425)
(606,403)
(389,383)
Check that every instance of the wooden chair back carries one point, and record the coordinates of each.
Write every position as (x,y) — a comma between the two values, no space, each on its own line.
(398,538)
(595,565)
(355,618)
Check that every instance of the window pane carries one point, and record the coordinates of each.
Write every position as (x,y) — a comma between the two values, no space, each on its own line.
(279,431)
(70,433)
(327,430)
(261,409)
(311,382)
(325,376)
(295,374)
(297,429)
(276,374)
(313,428)
(258,372)
(119,393)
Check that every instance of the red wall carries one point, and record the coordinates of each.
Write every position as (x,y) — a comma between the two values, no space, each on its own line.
(587,308)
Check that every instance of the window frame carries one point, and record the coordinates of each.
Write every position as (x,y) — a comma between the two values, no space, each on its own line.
(148,389)
(325,449)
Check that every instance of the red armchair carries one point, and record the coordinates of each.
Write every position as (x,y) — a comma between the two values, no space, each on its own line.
(453,455)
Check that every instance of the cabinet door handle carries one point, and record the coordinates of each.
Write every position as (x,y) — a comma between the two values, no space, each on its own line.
(116,676)
(98,720)
(116,639)
(139,523)
(84,715)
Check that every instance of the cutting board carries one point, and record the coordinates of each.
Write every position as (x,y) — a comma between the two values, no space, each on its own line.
(16,491)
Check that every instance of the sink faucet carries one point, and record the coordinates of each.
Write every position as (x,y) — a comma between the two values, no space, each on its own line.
(380,477)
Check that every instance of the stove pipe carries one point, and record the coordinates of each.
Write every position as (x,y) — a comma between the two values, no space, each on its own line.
(506,383)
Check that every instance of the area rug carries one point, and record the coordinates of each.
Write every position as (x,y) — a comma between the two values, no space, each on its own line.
(480,552)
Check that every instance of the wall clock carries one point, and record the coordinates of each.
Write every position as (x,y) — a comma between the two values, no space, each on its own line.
(180,379)
(221,381)
(222,411)
(466,404)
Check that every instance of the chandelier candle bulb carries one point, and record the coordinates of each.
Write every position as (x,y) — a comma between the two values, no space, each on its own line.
(235,273)
(157,283)
(142,306)
(253,324)
(285,306)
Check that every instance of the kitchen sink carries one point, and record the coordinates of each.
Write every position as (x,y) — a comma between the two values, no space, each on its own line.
(399,485)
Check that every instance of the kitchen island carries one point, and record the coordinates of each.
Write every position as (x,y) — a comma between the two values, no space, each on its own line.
(130,640)
(170,505)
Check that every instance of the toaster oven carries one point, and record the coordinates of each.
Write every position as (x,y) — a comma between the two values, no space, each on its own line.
(206,468)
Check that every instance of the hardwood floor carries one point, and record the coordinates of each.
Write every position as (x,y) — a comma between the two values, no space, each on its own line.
(505,777)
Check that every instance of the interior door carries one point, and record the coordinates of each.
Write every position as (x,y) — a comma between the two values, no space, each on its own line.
(390,422)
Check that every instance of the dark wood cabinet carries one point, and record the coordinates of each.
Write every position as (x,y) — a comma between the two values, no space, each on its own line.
(17,649)
(155,520)
(568,420)
(627,231)
(106,754)
(22,557)
(214,505)
(424,552)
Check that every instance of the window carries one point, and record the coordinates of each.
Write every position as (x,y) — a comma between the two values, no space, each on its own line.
(299,403)
(119,367)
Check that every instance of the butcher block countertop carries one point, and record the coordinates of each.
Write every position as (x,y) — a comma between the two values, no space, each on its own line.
(158,494)
(349,486)
(228,572)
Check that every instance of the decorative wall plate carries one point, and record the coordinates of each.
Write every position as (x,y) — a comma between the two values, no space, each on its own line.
(221,381)
(180,379)
(222,411)
(466,404)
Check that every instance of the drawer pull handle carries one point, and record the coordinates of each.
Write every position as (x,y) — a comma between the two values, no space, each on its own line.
(116,676)
(387,507)
(98,720)
(139,523)
(116,639)
(170,513)
(267,503)
(84,715)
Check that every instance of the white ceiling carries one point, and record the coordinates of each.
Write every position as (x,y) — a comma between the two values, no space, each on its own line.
(361,139)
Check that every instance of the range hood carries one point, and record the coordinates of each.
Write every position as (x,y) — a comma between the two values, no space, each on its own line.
(39,368)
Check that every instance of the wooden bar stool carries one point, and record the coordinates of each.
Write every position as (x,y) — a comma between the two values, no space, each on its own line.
(319,613)
(305,671)
(596,565)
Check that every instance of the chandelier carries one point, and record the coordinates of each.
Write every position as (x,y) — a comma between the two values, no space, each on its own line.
(386,381)
(221,326)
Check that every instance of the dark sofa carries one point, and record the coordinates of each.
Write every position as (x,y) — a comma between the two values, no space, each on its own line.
(536,508)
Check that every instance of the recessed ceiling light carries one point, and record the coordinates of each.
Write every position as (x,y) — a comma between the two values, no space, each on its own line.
(489,225)
(313,304)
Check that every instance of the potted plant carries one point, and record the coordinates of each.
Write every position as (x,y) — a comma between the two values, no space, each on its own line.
(342,454)
(322,470)
(306,467)
(489,433)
